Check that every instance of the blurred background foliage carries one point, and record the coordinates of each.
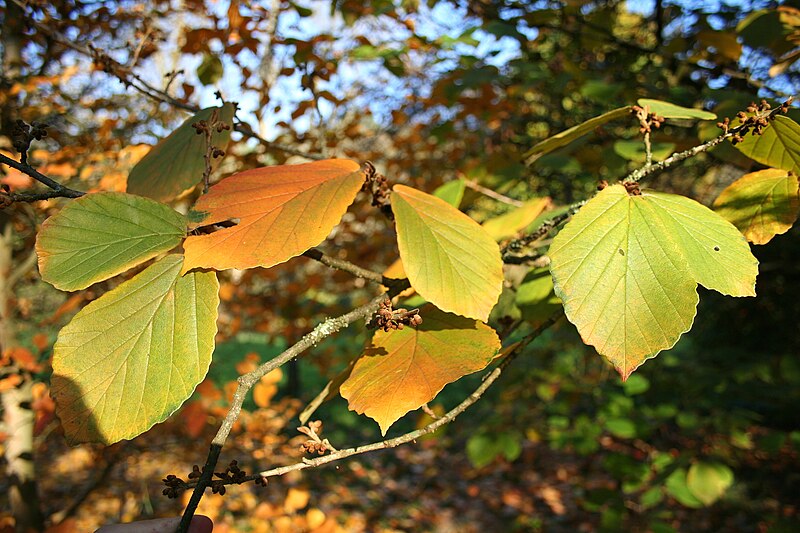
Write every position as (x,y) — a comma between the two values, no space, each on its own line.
(704,438)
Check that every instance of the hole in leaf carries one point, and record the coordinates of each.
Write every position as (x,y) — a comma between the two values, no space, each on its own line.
(716,248)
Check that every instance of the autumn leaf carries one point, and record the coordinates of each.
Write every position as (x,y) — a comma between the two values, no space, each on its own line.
(627,267)
(402,370)
(101,235)
(130,358)
(510,223)
(761,204)
(177,162)
(449,259)
(281,211)
(451,192)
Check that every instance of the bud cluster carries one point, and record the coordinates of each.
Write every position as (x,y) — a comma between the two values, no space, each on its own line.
(647,120)
(387,318)
(377,185)
(175,486)
(22,135)
(314,444)
(232,474)
(753,120)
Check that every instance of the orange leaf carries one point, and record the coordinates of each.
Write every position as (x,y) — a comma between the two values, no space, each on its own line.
(194,416)
(296,499)
(402,370)
(281,211)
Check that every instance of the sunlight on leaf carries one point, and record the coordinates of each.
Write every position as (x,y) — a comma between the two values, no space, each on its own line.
(567,136)
(449,259)
(708,482)
(129,359)
(402,370)
(668,110)
(627,267)
(761,204)
(104,234)
(510,223)
(778,146)
(282,211)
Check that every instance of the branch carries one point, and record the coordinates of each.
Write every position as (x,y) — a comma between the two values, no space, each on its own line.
(58,189)
(130,79)
(733,133)
(447,418)
(247,381)
(346,266)
(546,227)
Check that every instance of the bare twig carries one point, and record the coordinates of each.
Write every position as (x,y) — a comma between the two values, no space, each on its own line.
(22,269)
(133,80)
(546,227)
(59,190)
(732,133)
(340,264)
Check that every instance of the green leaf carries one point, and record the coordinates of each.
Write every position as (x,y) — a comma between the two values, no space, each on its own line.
(626,268)
(536,298)
(451,192)
(510,223)
(104,234)
(622,428)
(668,110)
(778,145)
(677,488)
(402,370)
(130,358)
(177,162)
(634,150)
(709,481)
(210,70)
(569,135)
(761,204)
(636,384)
(483,448)
(448,258)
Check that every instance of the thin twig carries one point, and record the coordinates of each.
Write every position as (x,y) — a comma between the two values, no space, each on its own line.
(22,269)
(546,227)
(475,186)
(131,79)
(247,381)
(59,190)
(445,419)
(346,266)
(646,170)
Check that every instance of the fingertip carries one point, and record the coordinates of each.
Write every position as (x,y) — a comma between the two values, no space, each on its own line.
(201,524)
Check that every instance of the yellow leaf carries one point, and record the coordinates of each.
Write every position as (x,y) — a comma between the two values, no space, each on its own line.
(449,259)
(761,204)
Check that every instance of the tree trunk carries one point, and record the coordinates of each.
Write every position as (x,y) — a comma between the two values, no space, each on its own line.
(18,415)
